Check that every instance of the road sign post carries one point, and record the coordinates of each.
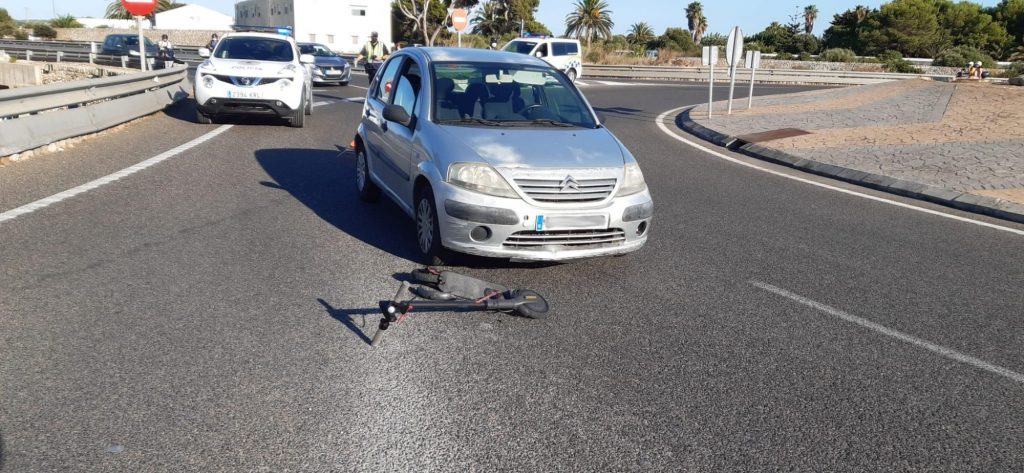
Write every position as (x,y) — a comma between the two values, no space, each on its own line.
(460,20)
(753,63)
(140,8)
(709,57)
(733,55)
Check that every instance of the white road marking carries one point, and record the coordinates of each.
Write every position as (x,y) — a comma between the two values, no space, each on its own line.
(359,87)
(581,84)
(61,196)
(853,319)
(661,124)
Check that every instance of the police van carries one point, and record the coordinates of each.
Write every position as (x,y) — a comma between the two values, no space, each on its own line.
(564,54)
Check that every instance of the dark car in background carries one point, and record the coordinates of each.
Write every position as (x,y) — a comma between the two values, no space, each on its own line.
(127,45)
(330,67)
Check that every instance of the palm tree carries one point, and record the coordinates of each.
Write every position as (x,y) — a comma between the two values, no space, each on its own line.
(589,18)
(640,33)
(810,14)
(696,21)
(489,20)
(862,13)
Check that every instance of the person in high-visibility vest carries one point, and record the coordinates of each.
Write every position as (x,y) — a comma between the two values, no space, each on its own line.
(375,52)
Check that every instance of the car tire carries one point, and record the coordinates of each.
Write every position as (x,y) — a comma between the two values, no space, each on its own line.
(428,229)
(572,75)
(368,190)
(203,119)
(308,109)
(298,118)
(343,84)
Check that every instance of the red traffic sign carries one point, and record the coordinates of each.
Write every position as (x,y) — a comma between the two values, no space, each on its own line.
(139,7)
(460,19)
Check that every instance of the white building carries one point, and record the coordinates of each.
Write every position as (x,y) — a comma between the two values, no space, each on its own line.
(342,25)
(193,17)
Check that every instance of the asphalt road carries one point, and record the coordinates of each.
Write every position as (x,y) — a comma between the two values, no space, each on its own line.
(210,313)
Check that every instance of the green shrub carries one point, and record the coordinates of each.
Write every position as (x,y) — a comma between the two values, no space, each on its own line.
(838,55)
(44,31)
(1016,69)
(959,56)
(21,35)
(784,56)
(593,56)
(805,56)
(65,21)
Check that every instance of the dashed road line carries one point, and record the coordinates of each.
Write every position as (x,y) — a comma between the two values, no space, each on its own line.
(893,333)
(660,121)
(94,184)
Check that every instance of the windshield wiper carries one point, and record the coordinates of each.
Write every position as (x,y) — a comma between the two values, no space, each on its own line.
(539,121)
(481,121)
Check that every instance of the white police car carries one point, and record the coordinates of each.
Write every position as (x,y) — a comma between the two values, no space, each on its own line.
(254,73)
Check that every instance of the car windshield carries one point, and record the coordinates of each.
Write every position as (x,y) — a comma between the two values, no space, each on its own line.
(521,47)
(134,41)
(254,49)
(484,94)
(316,50)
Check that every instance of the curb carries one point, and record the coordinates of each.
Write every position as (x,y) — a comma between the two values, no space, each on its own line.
(938,195)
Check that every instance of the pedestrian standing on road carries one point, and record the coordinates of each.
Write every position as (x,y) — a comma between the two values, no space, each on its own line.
(213,42)
(166,51)
(375,52)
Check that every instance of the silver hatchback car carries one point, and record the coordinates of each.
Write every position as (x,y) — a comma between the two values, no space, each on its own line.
(499,155)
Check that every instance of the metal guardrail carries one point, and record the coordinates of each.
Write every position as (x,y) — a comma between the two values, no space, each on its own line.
(31,117)
(780,76)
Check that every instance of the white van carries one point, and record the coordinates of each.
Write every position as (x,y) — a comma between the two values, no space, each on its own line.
(563,54)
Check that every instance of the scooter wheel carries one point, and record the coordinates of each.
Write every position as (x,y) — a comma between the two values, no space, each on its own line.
(536,306)
(423,276)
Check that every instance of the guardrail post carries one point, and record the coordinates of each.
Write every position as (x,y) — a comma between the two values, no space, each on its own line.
(92,47)
(28,55)
(124,62)
(60,55)
(149,63)
(92,58)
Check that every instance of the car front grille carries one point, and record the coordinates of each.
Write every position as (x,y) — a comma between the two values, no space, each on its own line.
(568,190)
(566,238)
(246,81)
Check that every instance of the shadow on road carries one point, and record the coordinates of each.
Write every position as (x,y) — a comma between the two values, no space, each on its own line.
(345,317)
(323,180)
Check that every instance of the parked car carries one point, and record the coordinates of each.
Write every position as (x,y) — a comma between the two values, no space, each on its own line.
(330,67)
(497,154)
(128,45)
(563,54)
(254,73)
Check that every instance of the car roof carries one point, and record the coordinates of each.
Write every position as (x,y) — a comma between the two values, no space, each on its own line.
(254,34)
(472,55)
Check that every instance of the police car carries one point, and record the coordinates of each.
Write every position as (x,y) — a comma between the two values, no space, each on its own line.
(563,54)
(254,72)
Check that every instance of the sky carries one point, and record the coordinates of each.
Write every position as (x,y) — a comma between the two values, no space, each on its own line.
(751,16)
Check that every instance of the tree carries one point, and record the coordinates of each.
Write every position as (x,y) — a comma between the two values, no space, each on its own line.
(65,21)
(676,39)
(1010,13)
(696,21)
(428,18)
(810,15)
(714,39)
(490,20)
(7,25)
(588,19)
(910,27)
(43,30)
(846,29)
(640,33)
(967,24)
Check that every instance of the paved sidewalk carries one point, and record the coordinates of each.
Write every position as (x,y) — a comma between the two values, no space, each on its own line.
(949,141)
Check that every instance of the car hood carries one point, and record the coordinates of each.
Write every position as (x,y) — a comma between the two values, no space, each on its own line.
(245,68)
(330,61)
(538,148)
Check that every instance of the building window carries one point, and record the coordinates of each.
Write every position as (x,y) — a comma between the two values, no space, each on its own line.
(312,37)
(358,10)
(355,40)
(330,39)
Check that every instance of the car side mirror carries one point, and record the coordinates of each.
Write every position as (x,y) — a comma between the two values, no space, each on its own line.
(204,53)
(538,54)
(601,118)
(307,59)
(397,114)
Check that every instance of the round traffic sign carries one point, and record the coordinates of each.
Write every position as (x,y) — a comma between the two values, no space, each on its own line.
(139,7)
(460,19)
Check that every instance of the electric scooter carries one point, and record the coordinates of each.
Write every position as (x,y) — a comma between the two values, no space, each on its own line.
(448,291)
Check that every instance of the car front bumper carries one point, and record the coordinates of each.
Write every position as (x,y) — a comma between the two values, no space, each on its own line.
(274,98)
(323,77)
(566,234)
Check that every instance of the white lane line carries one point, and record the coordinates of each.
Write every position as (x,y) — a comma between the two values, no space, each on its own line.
(661,124)
(358,87)
(853,319)
(61,196)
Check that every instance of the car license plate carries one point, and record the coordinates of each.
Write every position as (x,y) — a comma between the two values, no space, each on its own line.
(571,222)
(244,94)
(333,72)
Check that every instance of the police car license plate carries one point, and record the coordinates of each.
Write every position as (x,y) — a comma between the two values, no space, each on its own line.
(244,94)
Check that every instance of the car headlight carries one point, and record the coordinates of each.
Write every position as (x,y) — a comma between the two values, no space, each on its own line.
(208,81)
(480,178)
(285,83)
(633,181)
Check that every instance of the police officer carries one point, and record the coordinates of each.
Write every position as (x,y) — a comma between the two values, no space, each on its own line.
(374,52)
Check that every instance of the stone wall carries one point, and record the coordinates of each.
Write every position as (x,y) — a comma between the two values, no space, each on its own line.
(22,74)
(178,37)
(819,66)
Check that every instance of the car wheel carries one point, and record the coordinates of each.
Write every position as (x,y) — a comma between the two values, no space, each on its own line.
(368,190)
(428,230)
(572,75)
(298,118)
(203,119)
(343,84)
